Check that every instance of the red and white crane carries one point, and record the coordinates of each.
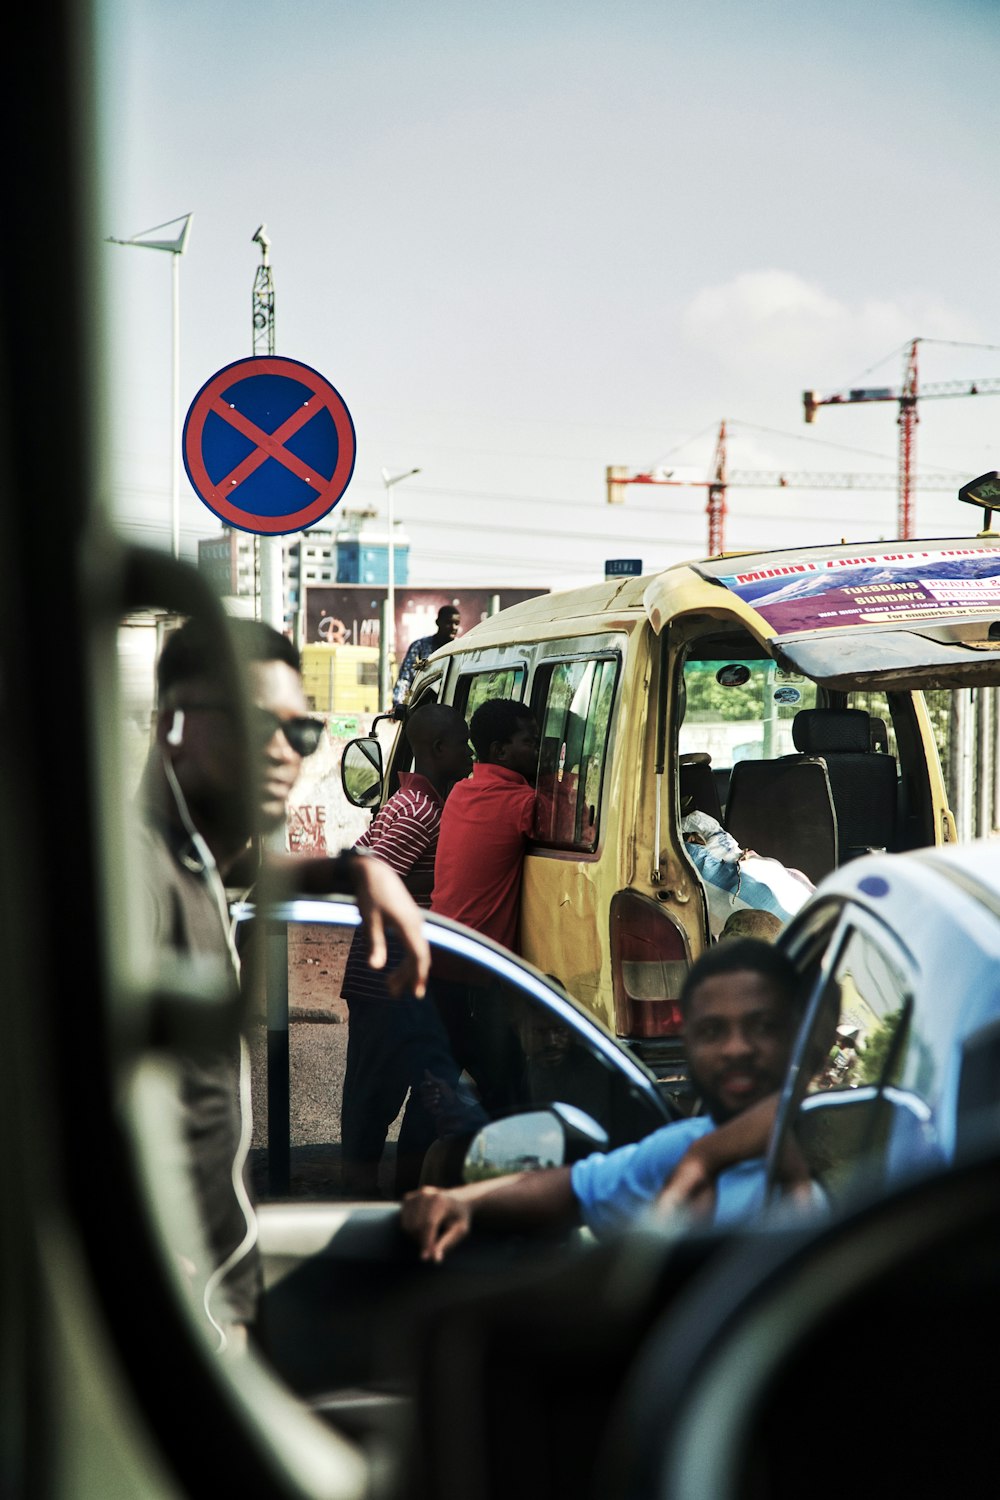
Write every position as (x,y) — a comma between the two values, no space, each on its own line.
(907,396)
(721,480)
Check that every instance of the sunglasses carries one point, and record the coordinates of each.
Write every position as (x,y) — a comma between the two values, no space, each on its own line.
(303,734)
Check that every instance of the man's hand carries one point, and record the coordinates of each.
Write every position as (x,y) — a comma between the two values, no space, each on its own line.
(690,1190)
(384,900)
(691,1186)
(437,1219)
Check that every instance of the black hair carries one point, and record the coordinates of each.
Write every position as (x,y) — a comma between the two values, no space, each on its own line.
(192,650)
(446,609)
(430,721)
(739,955)
(496,722)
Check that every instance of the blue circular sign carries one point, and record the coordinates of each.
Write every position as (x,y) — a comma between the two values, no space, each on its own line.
(269,445)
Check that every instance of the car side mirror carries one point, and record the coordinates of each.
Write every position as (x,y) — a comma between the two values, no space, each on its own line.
(532,1142)
(361,772)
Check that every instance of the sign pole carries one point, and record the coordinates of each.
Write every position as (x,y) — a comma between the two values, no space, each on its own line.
(175,422)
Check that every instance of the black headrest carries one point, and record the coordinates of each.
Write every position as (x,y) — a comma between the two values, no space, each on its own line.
(822,731)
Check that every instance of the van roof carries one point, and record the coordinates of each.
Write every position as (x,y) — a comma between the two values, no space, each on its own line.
(909,614)
(904,614)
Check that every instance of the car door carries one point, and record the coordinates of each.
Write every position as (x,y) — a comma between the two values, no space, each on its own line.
(493,1038)
(858,1102)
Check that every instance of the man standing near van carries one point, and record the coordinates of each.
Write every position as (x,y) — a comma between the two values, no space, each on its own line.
(485,828)
(487,822)
(196,834)
(447,623)
(392,1043)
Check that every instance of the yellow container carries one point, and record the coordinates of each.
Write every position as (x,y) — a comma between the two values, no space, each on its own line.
(341,679)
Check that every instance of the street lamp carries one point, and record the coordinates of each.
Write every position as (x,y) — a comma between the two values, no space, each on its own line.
(390,628)
(176,248)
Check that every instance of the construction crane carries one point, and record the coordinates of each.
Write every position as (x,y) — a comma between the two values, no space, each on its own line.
(907,396)
(721,480)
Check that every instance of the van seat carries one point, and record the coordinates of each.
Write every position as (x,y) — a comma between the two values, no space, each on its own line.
(863,781)
(697,785)
(784,809)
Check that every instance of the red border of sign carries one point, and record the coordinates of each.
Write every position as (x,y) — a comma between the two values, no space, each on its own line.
(194,426)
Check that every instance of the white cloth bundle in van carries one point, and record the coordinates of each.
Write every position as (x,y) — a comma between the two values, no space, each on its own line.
(736,878)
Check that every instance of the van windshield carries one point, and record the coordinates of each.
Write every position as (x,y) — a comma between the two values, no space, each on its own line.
(741,710)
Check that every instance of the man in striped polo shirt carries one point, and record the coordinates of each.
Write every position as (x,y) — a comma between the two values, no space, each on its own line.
(391,1042)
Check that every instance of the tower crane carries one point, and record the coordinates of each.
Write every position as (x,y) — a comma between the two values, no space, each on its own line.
(722,480)
(907,395)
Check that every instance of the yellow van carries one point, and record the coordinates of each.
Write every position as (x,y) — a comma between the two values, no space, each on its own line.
(780,694)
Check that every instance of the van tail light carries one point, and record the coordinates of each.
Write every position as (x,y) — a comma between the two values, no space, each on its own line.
(649,962)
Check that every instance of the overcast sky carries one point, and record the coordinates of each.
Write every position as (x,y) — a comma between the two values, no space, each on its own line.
(530,240)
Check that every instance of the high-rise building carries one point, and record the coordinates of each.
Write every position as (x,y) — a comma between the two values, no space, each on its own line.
(356,550)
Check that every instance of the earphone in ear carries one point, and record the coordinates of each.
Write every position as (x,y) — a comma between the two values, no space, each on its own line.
(175,734)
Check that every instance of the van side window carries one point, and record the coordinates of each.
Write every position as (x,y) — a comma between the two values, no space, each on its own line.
(474,688)
(573,706)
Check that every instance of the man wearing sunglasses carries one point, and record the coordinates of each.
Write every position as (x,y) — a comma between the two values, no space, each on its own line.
(198,827)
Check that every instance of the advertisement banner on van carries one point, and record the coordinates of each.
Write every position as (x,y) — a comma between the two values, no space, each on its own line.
(895,588)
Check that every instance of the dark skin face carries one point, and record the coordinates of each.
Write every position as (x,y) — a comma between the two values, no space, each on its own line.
(546,1041)
(447,626)
(277,687)
(210,749)
(454,756)
(520,752)
(738,1034)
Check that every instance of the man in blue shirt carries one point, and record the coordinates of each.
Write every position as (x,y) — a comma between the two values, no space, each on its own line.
(447,621)
(741,1011)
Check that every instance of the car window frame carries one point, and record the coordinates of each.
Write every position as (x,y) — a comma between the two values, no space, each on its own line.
(457,941)
(845,919)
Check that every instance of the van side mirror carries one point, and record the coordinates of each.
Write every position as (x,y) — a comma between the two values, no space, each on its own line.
(361,772)
(532,1142)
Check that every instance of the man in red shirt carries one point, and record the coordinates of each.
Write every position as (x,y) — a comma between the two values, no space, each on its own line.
(487,823)
(485,829)
(392,1042)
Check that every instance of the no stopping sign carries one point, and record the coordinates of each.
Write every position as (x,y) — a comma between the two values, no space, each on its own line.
(269,445)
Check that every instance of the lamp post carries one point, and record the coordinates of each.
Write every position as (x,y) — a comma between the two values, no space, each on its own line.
(175,247)
(389,480)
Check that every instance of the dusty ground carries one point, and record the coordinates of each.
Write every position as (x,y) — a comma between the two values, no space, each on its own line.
(316,958)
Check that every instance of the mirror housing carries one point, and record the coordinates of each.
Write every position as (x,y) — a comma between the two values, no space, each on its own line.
(533,1142)
(362,773)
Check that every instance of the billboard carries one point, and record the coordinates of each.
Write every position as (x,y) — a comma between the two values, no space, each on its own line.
(350,613)
(892,588)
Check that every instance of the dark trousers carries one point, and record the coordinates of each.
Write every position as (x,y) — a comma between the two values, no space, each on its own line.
(395,1048)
